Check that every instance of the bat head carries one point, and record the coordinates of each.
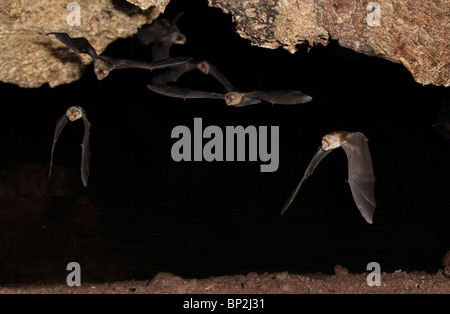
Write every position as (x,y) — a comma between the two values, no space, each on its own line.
(331,141)
(175,37)
(74,113)
(180,39)
(203,66)
(234,98)
(102,68)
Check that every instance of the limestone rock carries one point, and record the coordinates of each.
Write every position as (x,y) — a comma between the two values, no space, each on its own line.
(29,58)
(412,32)
(145,4)
(446,263)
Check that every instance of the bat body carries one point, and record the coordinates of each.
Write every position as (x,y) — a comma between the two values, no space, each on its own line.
(442,125)
(104,64)
(360,169)
(234,98)
(72,114)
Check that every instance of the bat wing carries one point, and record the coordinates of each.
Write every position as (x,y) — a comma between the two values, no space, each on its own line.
(153,32)
(85,152)
(161,49)
(60,123)
(126,64)
(77,44)
(317,158)
(172,74)
(248,102)
(182,92)
(175,21)
(283,97)
(360,173)
(214,72)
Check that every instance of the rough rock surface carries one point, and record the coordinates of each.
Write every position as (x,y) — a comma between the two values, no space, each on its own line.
(145,4)
(253,283)
(446,263)
(411,32)
(30,59)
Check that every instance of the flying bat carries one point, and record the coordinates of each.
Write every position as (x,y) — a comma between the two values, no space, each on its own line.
(234,98)
(104,64)
(72,114)
(442,125)
(163,34)
(161,30)
(172,74)
(360,169)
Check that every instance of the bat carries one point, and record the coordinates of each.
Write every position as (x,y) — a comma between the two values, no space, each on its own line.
(161,30)
(360,169)
(163,34)
(234,98)
(442,125)
(172,74)
(72,114)
(104,64)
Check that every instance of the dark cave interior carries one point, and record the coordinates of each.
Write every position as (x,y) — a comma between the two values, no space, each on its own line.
(144,213)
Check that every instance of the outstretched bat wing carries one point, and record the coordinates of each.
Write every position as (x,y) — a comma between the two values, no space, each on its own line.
(282,97)
(214,72)
(85,152)
(248,102)
(77,44)
(317,158)
(172,74)
(182,92)
(360,173)
(60,123)
(126,64)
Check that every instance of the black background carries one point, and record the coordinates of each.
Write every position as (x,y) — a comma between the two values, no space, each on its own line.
(198,219)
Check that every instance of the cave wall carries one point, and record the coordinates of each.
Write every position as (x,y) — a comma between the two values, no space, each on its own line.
(411,32)
(30,59)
